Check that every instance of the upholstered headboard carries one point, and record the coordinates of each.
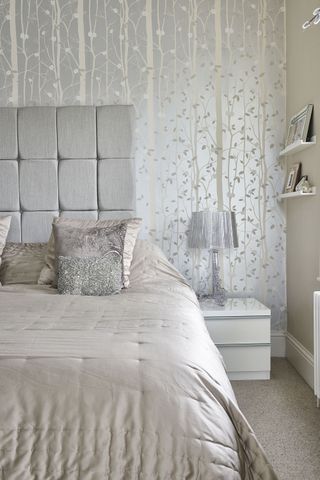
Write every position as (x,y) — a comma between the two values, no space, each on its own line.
(74,161)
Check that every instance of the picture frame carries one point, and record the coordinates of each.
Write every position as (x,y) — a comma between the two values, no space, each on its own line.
(299,125)
(293,178)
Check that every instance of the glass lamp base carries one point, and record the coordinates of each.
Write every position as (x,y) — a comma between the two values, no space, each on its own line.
(220,297)
(219,293)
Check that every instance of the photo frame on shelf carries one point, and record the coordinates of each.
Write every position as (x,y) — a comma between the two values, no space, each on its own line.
(293,178)
(299,126)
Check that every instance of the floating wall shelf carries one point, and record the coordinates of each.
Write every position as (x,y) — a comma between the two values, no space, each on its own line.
(283,196)
(297,147)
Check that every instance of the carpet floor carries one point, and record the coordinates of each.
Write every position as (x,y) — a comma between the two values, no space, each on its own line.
(282,411)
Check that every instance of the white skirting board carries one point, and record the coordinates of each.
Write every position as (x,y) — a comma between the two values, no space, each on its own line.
(316,344)
(300,358)
(283,344)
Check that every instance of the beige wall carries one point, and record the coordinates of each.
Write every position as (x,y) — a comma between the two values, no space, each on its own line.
(303,215)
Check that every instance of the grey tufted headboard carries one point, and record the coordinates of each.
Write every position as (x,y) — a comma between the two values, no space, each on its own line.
(74,161)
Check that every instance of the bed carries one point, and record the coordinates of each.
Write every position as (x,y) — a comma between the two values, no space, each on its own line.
(128,386)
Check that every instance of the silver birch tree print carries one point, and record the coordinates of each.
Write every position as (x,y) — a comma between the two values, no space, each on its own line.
(14,53)
(206,78)
(81,53)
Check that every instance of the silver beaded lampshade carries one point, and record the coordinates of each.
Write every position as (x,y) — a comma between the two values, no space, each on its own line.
(214,231)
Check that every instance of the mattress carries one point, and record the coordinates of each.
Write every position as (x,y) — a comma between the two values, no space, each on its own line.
(122,387)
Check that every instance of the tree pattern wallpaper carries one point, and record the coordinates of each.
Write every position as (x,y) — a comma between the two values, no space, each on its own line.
(207,79)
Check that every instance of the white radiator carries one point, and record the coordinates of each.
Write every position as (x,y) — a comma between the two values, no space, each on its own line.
(316,333)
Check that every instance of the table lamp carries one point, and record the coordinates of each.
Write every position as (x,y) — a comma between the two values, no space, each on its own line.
(214,231)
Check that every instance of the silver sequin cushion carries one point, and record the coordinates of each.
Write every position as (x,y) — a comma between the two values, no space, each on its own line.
(90,275)
(89,258)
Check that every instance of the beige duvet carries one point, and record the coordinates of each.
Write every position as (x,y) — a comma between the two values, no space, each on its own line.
(123,388)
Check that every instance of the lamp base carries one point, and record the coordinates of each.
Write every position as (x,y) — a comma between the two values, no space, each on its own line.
(220,299)
(219,294)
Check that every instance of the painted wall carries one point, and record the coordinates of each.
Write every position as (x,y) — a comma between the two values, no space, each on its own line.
(207,80)
(303,233)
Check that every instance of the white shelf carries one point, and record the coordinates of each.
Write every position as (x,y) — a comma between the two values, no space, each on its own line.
(297,147)
(298,194)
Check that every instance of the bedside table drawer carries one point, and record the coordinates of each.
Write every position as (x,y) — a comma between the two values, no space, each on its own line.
(239,330)
(247,361)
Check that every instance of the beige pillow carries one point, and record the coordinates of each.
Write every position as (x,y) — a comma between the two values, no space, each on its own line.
(48,273)
(22,263)
(4,230)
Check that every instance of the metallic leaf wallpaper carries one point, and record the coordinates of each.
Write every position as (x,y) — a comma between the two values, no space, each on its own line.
(206,78)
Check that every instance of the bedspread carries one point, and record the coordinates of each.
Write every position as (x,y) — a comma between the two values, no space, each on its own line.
(125,387)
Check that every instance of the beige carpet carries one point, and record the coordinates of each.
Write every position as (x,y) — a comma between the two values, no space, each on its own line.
(283,413)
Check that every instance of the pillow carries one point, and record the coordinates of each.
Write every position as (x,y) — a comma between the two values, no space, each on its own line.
(22,262)
(89,259)
(4,230)
(150,265)
(90,275)
(48,273)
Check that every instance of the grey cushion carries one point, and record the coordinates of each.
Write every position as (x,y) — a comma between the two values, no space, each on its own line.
(47,276)
(93,276)
(39,185)
(116,184)
(89,257)
(36,226)
(22,263)
(88,239)
(14,234)
(76,132)
(8,133)
(37,132)
(9,185)
(78,184)
(114,131)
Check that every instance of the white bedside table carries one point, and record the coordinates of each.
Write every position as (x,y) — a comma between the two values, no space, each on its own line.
(241,331)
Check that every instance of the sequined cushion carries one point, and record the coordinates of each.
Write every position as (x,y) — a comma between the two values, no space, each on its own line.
(90,275)
(89,259)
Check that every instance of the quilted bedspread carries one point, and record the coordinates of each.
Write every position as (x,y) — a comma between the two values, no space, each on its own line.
(125,387)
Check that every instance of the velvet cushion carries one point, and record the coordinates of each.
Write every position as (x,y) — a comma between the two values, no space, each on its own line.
(48,273)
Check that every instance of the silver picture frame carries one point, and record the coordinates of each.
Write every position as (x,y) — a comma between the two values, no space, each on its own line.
(299,126)
(293,178)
